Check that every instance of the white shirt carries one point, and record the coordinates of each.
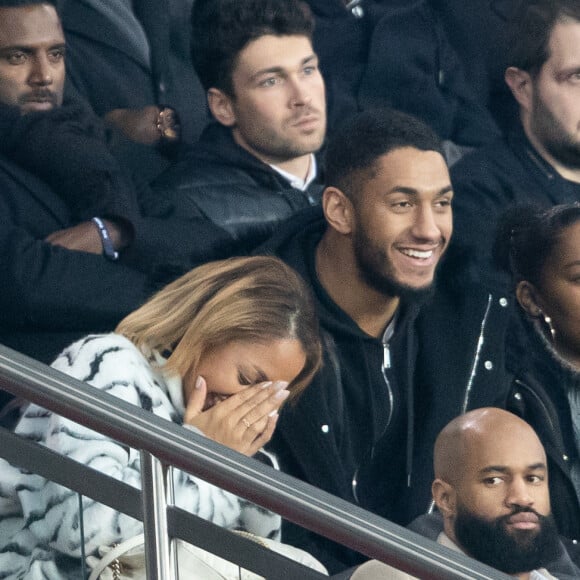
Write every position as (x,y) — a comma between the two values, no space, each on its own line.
(296,182)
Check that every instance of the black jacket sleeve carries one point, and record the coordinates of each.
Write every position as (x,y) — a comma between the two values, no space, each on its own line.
(45,286)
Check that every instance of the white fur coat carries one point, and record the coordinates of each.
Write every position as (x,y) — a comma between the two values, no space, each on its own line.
(39,520)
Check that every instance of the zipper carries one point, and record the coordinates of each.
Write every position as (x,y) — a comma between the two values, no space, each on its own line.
(543,405)
(478,350)
(386,364)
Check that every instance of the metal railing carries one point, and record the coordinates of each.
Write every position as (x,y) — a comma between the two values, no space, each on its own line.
(163,443)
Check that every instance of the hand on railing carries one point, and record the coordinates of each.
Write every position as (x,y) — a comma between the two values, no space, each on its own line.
(244,421)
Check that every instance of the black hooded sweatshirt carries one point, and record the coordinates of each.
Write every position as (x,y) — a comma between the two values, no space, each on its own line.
(364,429)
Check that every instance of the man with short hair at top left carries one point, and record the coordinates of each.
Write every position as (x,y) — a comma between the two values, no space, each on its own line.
(255,165)
(78,248)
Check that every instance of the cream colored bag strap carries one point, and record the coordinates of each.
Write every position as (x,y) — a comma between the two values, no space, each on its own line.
(114,553)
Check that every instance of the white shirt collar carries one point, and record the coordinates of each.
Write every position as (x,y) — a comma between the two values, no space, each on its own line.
(296,182)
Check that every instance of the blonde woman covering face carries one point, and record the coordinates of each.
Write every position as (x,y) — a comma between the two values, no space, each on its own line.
(218,350)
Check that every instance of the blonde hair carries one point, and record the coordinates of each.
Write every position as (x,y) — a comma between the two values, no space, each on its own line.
(255,299)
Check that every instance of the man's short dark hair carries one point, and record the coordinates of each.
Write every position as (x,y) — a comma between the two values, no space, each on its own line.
(531,28)
(358,143)
(221,29)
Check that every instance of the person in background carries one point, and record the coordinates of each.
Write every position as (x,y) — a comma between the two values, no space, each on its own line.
(80,246)
(539,248)
(539,160)
(396,53)
(255,165)
(219,350)
(132,66)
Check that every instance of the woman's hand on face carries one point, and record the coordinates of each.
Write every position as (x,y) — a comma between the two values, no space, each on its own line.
(244,421)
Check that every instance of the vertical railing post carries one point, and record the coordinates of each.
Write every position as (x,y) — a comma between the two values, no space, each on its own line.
(158,561)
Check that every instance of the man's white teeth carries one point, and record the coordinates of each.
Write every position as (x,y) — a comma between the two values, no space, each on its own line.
(418,254)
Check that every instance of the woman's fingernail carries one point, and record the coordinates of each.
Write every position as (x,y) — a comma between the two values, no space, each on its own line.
(279,385)
(266,384)
(199,382)
(274,413)
(281,394)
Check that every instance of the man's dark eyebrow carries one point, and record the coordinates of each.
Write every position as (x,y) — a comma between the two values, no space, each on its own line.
(494,469)
(16,48)
(29,49)
(446,190)
(279,69)
(505,469)
(309,58)
(410,191)
(563,74)
(539,465)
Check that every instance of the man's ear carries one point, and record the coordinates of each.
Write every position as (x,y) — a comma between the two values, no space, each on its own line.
(221,107)
(520,83)
(528,298)
(338,210)
(444,497)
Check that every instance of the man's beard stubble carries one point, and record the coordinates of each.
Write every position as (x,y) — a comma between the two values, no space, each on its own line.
(511,552)
(376,270)
(562,146)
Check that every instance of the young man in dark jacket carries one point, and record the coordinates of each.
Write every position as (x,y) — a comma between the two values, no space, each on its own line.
(255,165)
(402,357)
(539,160)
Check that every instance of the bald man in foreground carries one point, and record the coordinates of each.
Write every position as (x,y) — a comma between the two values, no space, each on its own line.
(491,488)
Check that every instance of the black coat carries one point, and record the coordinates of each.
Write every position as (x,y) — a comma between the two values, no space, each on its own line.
(446,358)
(51,295)
(489,181)
(221,181)
(105,68)
(111,74)
(397,55)
(479,34)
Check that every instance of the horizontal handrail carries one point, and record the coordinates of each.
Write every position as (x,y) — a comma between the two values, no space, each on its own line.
(127,499)
(295,500)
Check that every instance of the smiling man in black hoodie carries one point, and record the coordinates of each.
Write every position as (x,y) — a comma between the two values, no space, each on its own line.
(403,355)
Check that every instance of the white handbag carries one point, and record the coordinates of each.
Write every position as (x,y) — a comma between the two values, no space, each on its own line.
(127,561)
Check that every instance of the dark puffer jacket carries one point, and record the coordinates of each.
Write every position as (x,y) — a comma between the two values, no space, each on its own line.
(219,180)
